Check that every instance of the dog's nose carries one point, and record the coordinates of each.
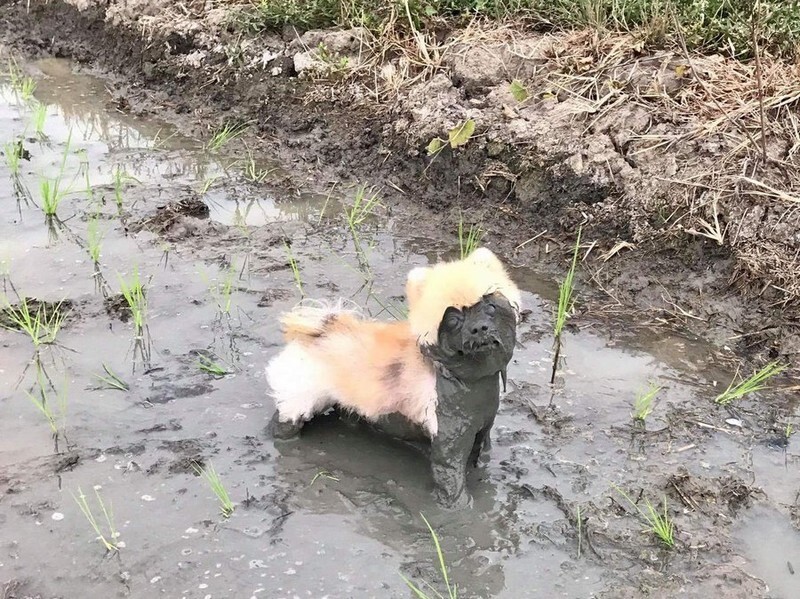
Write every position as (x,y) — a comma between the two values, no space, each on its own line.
(483,328)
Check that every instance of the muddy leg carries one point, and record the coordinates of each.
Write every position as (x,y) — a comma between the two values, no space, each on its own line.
(449,457)
(283,430)
(483,443)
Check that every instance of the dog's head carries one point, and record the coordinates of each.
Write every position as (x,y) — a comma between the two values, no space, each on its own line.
(464,314)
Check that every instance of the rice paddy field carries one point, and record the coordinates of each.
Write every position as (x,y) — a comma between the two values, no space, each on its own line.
(143,265)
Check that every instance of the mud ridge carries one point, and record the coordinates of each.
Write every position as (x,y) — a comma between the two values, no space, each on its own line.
(532,174)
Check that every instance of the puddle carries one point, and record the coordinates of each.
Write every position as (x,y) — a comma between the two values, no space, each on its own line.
(211,248)
(772,547)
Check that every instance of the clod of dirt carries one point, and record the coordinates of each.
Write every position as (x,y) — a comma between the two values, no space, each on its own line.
(271,296)
(168,215)
(117,307)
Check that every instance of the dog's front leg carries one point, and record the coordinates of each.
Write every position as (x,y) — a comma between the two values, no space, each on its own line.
(449,463)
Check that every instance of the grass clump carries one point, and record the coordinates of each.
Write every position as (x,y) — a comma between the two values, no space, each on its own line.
(209,366)
(13,151)
(212,478)
(38,119)
(94,239)
(51,195)
(108,540)
(112,380)
(660,525)
(643,405)
(364,205)
(295,269)
(469,239)
(224,135)
(565,291)
(53,409)
(135,296)
(724,26)
(756,382)
(40,321)
(252,172)
(452,589)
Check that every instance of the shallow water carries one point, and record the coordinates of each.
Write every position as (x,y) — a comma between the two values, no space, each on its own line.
(353,530)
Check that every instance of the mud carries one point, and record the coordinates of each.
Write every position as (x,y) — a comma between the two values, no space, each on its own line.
(636,166)
(336,513)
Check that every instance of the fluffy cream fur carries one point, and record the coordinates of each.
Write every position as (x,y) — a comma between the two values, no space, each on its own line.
(336,357)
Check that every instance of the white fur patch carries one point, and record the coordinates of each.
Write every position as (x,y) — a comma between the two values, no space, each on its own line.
(299,384)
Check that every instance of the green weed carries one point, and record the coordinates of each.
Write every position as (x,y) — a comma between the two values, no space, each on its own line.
(108,540)
(294,267)
(120,179)
(41,325)
(364,205)
(136,298)
(469,240)
(94,239)
(112,380)
(756,382)
(13,151)
(53,409)
(25,87)
(213,480)
(643,405)
(224,135)
(38,119)
(658,524)
(565,292)
(209,366)
(51,195)
(252,172)
(452,590)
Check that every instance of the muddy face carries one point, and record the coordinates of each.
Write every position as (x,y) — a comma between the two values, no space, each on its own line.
(477,341)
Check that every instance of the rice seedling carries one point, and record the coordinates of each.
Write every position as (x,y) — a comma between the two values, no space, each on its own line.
(224,135)
(323,474)
(452,589)
(120,178)
(207,183)
(364,205)
(94,239)
(209,366)
(213,480)
(51,195)
(643,405)
(222,291)
(136,298)
(658,524)
(112,380)
(756,382)
(109,539)
(53,409)
(24,86)
(41,324)
(13,152)
(469,240)
(295,268)
(565,292)
(252,172)
(788,431)
(38,119)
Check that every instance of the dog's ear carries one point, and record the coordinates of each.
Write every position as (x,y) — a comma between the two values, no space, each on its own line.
(485,257)
(415,282)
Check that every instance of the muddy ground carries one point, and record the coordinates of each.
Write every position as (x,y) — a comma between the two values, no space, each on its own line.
(336,514)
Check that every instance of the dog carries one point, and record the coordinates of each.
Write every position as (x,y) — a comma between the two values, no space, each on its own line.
(436,375)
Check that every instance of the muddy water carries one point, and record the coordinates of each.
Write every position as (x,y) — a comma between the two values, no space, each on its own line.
(336,513)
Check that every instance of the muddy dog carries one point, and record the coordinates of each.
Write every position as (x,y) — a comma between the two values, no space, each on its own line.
(436,375)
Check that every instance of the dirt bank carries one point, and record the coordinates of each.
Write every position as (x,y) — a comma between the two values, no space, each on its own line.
(658,156)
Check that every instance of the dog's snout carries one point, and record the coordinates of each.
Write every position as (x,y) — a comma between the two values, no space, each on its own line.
(482,328)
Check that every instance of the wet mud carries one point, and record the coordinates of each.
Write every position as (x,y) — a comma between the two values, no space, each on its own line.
(335,513)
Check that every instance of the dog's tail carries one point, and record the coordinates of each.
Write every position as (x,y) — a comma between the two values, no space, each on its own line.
(311,320)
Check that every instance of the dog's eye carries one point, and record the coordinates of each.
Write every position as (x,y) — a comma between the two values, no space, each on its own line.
(452,318)
(490,309)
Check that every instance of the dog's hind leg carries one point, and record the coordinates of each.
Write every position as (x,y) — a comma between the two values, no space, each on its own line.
(299,388)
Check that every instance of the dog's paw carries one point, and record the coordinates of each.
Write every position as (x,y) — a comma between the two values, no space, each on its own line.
(283,430)
(459,501)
